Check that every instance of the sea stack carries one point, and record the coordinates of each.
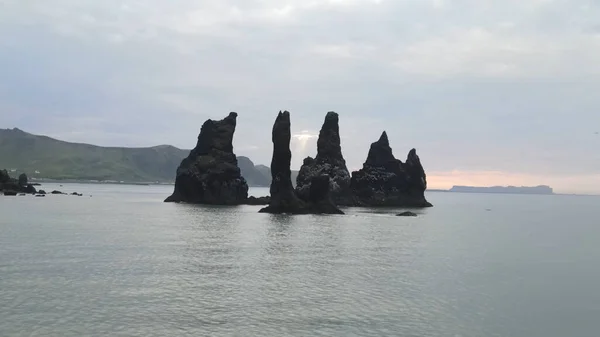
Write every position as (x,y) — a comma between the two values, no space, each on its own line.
(283,196)
(329,161)
(386,181)
(210,174)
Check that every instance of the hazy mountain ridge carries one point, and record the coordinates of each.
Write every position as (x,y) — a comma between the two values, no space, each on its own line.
(49,158)
(541,189)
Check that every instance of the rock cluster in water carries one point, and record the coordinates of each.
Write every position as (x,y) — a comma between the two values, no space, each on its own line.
(386,181)
(283,196)
(210,174)
(11,186)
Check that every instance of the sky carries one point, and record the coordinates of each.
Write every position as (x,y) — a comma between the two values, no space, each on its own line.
(489,92)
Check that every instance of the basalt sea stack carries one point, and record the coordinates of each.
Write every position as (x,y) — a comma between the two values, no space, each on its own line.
(386,181)
(210,174)
(329,161)
(283,196)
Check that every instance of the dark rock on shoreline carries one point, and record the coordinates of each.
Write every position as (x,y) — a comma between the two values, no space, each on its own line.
(23,179)
(386,181)
(19,186)
(283,196)
(56,192)
(329,161)
(210,174)
(320,200)
(407,213)
(4,177)
(257,201)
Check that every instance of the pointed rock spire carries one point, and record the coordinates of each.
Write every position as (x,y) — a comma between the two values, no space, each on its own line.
(283,196)
(329,161)
(381,154)
(386,181)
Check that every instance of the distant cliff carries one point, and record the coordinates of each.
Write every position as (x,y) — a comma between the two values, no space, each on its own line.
(542,189)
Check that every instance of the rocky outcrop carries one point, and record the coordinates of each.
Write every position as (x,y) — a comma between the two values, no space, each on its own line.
(386,181)
(8,184)
(23,180)
(258,201)
(329,161)
(283,196)
(407,213)
(4,177)
(320,200)
(210,174)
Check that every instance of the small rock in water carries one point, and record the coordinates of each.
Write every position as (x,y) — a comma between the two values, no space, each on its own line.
(77,194)
(56,192)
(40,195)
(408,213)
(257,201)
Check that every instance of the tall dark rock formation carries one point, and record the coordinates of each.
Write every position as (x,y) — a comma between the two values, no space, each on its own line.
(23,180)
(4,177)
(386,181)
(283,196)
(210,174)
(329,161)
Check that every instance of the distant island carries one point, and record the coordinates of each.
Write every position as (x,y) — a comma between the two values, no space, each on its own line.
(541,189)
(47,159)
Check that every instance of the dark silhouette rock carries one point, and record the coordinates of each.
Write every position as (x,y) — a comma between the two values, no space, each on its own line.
(10,193)
(56,192)
(77,194)
(40,195)
(329,161)
(258,201)
(29,189)
(4,177)
(320,200)
(23,180)
(41,192)
(407,213)
(19,186)
(210,174)
(386,181)
(283,196)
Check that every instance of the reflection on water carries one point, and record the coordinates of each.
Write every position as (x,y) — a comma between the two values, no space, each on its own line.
(124,263)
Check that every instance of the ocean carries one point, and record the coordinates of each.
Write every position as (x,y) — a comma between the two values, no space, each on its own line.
(120,262)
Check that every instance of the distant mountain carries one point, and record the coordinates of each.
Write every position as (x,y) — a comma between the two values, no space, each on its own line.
(259,176)
(45,157)
(542,189)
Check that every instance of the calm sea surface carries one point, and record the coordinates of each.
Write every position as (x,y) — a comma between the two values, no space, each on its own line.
(123,263)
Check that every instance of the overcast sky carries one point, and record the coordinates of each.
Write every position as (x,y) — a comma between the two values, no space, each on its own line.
(488,91)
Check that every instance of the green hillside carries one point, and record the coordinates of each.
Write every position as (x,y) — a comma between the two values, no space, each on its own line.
(56,159)
(48,158)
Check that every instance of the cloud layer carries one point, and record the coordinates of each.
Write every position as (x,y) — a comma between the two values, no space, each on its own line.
(475,86)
